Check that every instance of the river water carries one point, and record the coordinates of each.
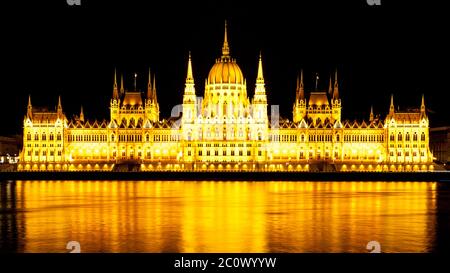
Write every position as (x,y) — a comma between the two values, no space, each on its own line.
(205,216)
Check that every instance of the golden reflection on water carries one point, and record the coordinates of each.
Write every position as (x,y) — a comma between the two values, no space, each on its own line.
(156,216)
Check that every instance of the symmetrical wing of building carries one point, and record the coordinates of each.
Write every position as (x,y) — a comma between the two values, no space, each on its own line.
(226,130)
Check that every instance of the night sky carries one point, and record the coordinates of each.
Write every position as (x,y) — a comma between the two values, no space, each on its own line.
(50,49)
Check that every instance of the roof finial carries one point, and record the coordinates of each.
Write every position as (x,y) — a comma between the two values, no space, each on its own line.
(135,76)
(260,77)
(225,47)
(189,77)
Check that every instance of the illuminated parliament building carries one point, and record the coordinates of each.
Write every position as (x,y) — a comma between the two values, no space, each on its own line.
(225,130)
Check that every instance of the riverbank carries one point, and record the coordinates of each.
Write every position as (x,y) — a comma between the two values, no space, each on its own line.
(442,176)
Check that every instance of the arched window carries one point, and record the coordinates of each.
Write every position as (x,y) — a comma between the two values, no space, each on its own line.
(28,136)
(44,137)
(415,136)
(337,138)
(147,138)
(216,132)
(52,137)
(392,138)
(58,137)
(408,138)
(422,136)
(36,136)
(399,138)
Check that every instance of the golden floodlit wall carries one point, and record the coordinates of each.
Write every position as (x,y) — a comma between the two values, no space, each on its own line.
(225,130)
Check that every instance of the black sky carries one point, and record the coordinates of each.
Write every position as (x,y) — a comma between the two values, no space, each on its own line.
(51,49)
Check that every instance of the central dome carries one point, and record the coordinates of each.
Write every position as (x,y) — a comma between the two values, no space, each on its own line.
(225,70)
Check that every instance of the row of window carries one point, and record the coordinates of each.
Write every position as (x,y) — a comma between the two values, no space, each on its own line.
(392,145)
(283,138)
(362,138)
(407,137)
(164,138)
(328,138)
(86,138)
(224,145)
(225,153)
(414,154)
(44,145)
(44,153)
(44,137)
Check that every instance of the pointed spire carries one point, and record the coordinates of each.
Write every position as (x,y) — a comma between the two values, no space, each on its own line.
(189,77)
(155,99)
(391,107)
(260,77)
(317,80)
(422,106)
(330,87)
(225,47)
(81,114)
(59,109)
(122,90)
(371,114)
(29,107)
(115,90)
(135,79)
(301,87)
(149,85)
(336,87)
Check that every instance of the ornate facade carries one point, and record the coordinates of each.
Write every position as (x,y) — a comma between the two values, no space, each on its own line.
(226,130)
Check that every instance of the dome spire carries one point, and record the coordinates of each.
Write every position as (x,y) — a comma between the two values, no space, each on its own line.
(225,47)
(189,77)
(260,77)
